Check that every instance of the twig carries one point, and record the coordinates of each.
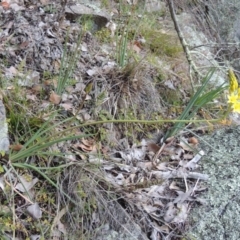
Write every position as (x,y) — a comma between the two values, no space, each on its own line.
(182,40)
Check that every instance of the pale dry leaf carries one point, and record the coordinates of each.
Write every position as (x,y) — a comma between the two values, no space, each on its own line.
(177,154)
(66,106)
(11,72)
(62,228)
(15,7)
(170,213)
(193,163)
(79,87)
(163,228)
(154,234)
(30,194)
(120,180)
(145,165)
(88,97)
(183,196)
(24,185)
(34,211)
(95,159)
(84,147)
(187,156)
(57,222)
(173,186)
(127,168)
(131,178)
(54,98)
(169,84)
(156,190)
(158,203)
(183,163)
(136,48)
(109,167)
(2,183)
(185,145)
(162,166)
(56,234)
(84,47)
(134,154)
(149,208)
(65,97)
(87,142)
(91,72)
(182,213)
(57,65)
(112,27)
(31,97)
(111,179)
(44,105)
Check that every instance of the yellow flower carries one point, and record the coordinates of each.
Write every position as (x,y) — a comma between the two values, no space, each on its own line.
(236,107)
(233,83)
(232,98)
(234,92)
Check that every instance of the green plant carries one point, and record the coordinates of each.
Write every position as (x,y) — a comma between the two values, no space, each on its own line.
(68,64)
(197,101)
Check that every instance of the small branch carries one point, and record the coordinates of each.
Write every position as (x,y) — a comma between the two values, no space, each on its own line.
(182,40)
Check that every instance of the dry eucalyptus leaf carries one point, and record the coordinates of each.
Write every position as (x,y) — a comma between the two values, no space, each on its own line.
(170,213)
(31,97)
(182,213)
(62,228)
(2,183)
(173,186)
(25,185)
(34,211)
(54,98)
(67,106)
(91,72)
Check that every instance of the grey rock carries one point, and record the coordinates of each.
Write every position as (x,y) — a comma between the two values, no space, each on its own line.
(99,16)
(219,218)
(202,56)
(4,141)
(155,6)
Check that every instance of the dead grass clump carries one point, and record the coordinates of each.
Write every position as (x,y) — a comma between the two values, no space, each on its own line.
(99,211)
(131,92)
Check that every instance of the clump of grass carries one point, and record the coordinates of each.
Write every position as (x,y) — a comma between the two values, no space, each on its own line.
(199,100)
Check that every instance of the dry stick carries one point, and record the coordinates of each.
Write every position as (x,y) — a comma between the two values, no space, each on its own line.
(183,42)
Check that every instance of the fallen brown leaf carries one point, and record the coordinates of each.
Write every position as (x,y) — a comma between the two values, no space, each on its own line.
(16,147)
(54,98)
(5,5)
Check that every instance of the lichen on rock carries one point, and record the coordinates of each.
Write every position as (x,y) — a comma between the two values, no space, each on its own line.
(219,218)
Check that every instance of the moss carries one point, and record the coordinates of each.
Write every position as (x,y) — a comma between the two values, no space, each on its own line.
(104,35)
(164,44)
(170,96)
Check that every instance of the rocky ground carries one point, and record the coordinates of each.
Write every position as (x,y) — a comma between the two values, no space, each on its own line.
(85,87)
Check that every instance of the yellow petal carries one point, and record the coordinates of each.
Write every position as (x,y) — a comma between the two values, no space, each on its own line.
(236,107)
(232,98)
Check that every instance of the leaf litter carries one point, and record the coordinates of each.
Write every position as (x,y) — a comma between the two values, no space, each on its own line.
(158,191)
